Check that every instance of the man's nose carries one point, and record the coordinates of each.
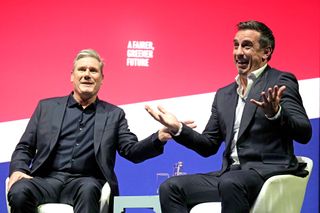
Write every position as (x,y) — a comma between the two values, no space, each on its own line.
(87,72)
(239,51)
(87,77)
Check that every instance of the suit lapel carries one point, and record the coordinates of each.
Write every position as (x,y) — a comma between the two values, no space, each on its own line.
(99,125)
(230,101)
(255,93)
(58,113)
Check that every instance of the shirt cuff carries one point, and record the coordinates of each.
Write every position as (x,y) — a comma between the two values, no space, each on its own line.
(179,131)
(276,116)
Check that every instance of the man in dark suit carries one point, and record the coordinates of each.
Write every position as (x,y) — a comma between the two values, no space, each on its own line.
(257,117)
(67,152)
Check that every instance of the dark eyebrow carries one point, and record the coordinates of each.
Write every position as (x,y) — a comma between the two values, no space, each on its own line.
(86,67)
(247,42)
(82,67)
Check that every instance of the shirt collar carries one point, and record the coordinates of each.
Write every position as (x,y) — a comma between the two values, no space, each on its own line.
(73,103)
(253,75)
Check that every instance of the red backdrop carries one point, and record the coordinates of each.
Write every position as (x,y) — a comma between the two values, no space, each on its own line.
(192,46)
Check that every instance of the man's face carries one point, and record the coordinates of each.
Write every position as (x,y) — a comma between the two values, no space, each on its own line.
(247,54)
(86,78)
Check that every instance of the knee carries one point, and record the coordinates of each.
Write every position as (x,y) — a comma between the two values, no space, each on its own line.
(168,186)
(90,190)
(19,196)
(227,185)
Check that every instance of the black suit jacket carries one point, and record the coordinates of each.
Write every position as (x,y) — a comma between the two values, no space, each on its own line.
(111,134)
(263,145)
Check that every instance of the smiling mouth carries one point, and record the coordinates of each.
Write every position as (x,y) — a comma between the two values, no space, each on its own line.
(242,63)
(86,85)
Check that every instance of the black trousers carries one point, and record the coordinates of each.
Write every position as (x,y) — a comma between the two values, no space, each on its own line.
(236,189)
(83,193)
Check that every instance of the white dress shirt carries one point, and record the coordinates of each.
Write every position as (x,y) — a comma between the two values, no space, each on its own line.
(242,97)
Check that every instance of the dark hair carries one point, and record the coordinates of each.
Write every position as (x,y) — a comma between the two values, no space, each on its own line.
(266,38)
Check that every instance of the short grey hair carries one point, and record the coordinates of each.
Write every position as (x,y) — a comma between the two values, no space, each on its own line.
(89,53)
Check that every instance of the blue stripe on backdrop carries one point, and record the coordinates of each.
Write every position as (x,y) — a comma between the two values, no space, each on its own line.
(311,200)
(140,179)
(4,168)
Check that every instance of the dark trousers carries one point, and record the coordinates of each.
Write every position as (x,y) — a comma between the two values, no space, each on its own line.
(235,189)
(83,193)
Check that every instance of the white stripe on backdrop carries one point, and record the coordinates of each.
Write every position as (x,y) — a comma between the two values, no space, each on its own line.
(195,107)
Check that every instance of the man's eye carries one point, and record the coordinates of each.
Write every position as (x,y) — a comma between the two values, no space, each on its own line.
(93,70)
(247,45)
(82,69)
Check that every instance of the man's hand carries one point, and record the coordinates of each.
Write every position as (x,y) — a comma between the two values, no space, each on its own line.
(168,120)
(164,134)
(270,103)
(165,118)
(15,176)
(190,123)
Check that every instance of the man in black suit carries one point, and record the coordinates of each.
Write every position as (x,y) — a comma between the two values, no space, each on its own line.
(257,117)
(67,152)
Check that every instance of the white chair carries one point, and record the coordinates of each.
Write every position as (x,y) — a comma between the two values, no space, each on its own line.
(65,208)
(280,193)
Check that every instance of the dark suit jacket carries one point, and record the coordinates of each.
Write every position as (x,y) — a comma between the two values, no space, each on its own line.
(111,134)
(263,145)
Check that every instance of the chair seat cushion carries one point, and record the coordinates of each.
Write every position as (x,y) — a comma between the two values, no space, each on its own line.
(212,207)
(54,208)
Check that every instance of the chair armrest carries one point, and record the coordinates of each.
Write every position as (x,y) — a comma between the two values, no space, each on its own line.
(105,197)
(6,186)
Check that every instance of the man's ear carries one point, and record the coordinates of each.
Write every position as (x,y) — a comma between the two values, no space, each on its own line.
(267,53)
(71,76)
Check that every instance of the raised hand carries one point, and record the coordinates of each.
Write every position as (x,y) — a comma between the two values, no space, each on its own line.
(190,123)
(165,118)
(270,103)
